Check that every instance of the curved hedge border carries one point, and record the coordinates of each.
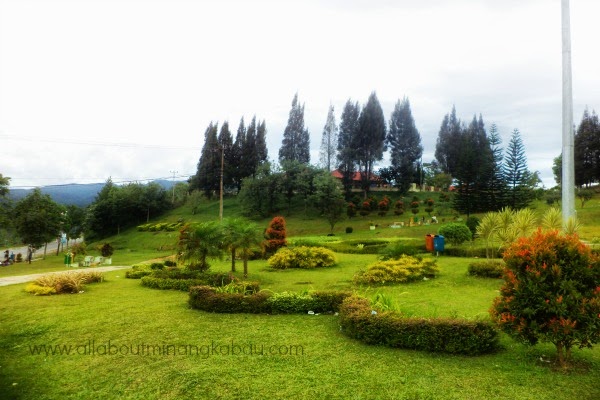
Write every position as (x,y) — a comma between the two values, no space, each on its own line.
(358,321)
(178,279)
(207,298)
(444,335)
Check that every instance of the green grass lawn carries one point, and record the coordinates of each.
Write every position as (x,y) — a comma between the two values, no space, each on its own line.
(310,357)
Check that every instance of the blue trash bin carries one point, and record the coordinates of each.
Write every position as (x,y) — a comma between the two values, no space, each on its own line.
(438,243)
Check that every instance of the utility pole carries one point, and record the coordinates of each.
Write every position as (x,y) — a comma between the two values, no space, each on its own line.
(568,157)
(221,184)
(173,172)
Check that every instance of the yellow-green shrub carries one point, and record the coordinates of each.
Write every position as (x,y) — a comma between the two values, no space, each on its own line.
(38,290)
(302,257)
(404,269)
(67,282)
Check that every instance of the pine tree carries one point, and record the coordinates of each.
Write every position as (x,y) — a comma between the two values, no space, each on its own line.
(447,149)
(496,188)
(369,144)
(346,158)
(405,146)
(225,141)
(249,162)
(262,153)
(237,154)
(516,174)
(472,166)
(207,176)
(296,140)
(329,141)
(587,150)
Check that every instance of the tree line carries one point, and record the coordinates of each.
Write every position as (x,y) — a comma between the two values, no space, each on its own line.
(37,219)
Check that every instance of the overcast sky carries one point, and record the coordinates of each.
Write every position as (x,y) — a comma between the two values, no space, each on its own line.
(125,89)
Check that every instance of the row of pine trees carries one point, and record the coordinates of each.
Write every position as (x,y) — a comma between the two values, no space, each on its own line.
(485,176)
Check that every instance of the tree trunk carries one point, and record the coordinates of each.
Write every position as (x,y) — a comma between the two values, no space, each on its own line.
(233,260)
(245,267)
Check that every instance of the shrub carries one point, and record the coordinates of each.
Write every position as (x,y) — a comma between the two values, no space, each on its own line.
(67,282)
(170,284)
(472,223)
(214,300)
(290,303)
(155,266)
(170,263)
(181,279)
(402,270)
(455,233)
(206,298)
(138,271)
(275,236)
(349,229)
(359,321)
(486,269)
(367,246)
(403,247)
(38,290)
(302,257)
(106,250)
(551,293)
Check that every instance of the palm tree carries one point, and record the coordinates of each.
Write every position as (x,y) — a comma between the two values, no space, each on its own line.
(231,227)
(247,235)
(198,243)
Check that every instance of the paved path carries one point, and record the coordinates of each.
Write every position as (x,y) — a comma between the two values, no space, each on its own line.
(12,280)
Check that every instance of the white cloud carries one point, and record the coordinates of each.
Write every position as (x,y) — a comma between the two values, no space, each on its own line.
(157,72)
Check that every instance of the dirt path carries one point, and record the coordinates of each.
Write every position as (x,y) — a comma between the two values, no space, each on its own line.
(13,280)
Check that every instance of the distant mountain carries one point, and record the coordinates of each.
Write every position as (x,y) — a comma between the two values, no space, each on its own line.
(78,194)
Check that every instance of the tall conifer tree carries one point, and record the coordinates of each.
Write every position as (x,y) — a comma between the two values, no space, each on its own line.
(516,173)
(329,141)
(295,145)
(207,176)
(346,157)
(405,146)
(369,143)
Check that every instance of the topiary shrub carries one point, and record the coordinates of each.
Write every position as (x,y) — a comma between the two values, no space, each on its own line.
(106,250)
(456,336)
(455,233)
(551,293)
(486,269)
(275,236)
(402,270)
(349,229)
(302,257)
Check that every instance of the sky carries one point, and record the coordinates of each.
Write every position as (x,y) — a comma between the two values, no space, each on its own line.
(126,89)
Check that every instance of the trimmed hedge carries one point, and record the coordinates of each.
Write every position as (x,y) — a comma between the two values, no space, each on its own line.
(178,279)
(357,246)
(208,298)
(487,268)
(454,336)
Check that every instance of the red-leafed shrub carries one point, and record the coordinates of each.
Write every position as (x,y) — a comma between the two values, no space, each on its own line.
(275,236)
(551,292)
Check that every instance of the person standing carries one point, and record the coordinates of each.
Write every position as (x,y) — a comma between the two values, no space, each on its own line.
(29,254)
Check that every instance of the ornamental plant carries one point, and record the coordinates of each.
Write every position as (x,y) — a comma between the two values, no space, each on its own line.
(401,270)
(303,257)
(455,232)
(275,235)
(399,207)
(551,293)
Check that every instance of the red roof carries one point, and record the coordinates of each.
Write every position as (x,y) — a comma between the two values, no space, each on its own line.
(356,177)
